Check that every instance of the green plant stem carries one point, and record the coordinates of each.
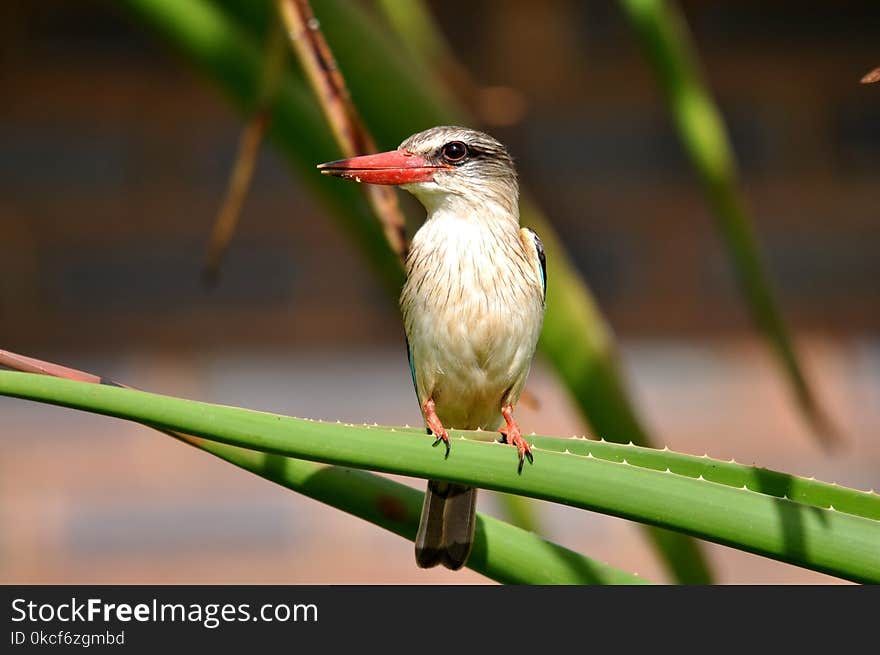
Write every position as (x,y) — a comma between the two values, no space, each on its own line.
(663,33)
(502,552)
(807,491)
(825,540)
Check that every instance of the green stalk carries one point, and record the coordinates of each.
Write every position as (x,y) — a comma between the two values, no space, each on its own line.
(501,551)
(664,34)
(826,540)
(807,491)
(413,23)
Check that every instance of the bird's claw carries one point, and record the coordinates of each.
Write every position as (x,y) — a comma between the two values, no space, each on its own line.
(445,439)
(515,438)
(524,454)
(434,425)
(528,455)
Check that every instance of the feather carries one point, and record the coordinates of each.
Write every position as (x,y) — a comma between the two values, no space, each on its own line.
(542,259)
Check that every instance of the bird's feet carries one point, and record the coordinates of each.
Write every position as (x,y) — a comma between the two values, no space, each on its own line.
(512,435)
(434,425)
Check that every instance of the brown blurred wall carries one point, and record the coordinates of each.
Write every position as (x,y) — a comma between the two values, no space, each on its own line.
(115,155)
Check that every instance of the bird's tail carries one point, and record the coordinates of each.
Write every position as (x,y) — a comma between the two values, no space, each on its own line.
(446,529)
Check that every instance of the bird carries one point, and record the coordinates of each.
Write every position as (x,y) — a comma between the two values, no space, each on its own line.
(473,305)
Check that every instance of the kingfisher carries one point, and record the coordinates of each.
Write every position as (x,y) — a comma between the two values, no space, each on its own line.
(472,304)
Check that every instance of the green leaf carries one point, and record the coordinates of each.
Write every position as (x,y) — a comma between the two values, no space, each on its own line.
(819,538)
(501,551)
(664,35)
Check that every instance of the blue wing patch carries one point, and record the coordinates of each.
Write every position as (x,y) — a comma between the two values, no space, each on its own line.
(539,246)
(412,368)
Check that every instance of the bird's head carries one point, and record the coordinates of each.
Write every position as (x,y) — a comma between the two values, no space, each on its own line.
(442,166)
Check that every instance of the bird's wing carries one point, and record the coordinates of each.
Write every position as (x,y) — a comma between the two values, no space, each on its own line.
(412,369)
(530,238)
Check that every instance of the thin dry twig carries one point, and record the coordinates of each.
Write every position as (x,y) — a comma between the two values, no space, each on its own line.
(352,136)
(236,191)
(873,76)
(249,144)
(32,365)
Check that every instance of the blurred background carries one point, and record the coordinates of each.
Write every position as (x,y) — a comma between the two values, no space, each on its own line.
(114,157)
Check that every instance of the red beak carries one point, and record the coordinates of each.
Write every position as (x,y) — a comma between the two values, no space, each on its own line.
(393,167)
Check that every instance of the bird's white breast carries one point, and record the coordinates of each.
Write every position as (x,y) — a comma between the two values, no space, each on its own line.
(473,308)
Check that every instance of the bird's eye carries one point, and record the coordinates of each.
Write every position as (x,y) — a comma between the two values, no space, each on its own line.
(454,152)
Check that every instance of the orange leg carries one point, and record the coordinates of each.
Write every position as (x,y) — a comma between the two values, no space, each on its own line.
(434,424)
(514,437)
